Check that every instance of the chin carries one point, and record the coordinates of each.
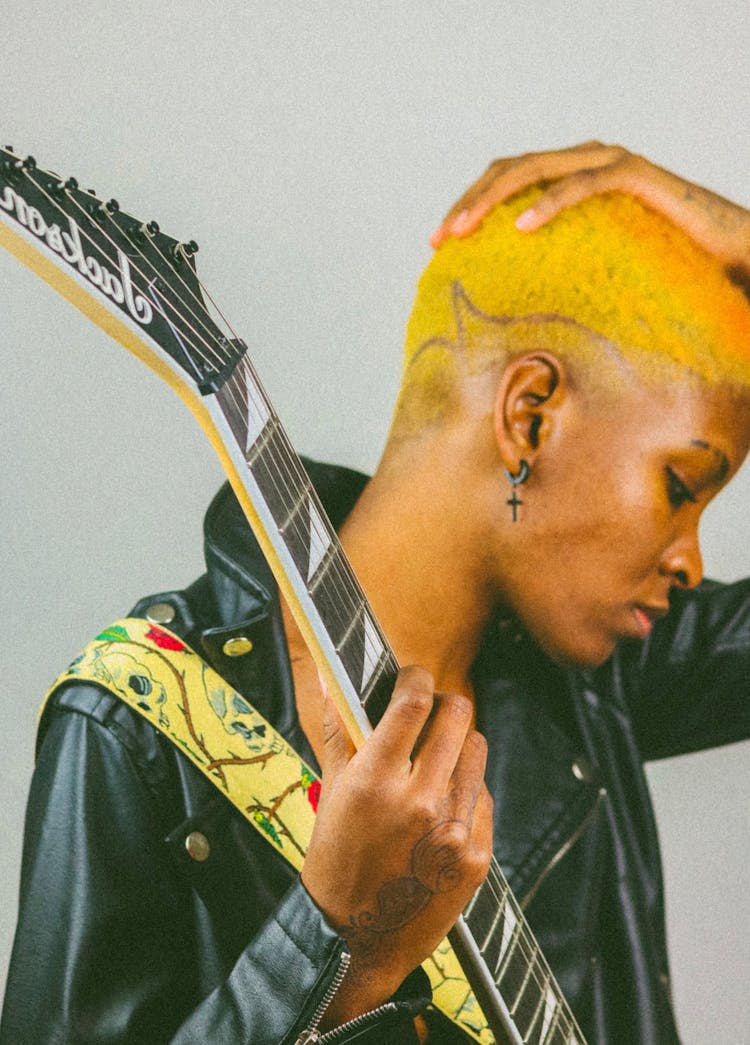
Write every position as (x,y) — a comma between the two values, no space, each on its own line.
(578,654)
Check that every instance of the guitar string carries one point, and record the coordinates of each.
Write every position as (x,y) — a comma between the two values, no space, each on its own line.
(215,350)
(340,568)
(502,893)
(283,470)
(213,347)
(295,473)
(533,955)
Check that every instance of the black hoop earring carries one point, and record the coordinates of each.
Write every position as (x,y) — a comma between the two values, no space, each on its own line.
(515,481)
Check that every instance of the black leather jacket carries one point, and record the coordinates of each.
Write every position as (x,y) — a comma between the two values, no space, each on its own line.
(124,938)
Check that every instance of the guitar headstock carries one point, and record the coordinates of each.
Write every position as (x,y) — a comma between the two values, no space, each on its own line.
(129,267)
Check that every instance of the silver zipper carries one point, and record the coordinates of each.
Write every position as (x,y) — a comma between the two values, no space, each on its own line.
(564,848)
(312,1036)
(358,1022)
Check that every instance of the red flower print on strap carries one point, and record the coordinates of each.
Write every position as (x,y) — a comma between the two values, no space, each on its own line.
(313,795)
(164,640)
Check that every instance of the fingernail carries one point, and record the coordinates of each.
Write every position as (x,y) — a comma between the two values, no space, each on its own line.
(459,224)
(437,237)
(524,222)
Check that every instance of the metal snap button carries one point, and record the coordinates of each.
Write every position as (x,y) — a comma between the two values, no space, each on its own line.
(198,846)
(237,647)
(582,770)
(160,613)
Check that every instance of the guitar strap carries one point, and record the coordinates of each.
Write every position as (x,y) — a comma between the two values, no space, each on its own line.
(213,725)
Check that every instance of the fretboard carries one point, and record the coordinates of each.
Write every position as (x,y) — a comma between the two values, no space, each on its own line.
(322,569)
(501,958)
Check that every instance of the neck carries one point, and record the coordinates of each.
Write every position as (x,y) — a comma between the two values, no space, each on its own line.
(412,544)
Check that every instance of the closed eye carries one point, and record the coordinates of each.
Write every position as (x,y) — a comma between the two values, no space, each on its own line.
(677,492)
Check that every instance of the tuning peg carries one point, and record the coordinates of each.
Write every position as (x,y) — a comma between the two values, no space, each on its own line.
(9,148)
(152,228)
(71,184)
(13,167)
(56,187)
(185,250)
(110,207)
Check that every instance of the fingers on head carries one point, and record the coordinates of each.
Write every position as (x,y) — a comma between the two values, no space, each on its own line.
(580,185)
(505,178)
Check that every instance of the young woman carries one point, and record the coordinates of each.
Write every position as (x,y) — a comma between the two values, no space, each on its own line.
(572,399)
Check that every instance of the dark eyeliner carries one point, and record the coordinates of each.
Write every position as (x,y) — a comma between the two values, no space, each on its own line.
(677,491)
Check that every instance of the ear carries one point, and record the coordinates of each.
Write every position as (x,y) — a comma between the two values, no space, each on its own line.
(531,391)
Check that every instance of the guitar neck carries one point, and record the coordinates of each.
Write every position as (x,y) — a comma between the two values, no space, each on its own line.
(310,564)
(140,286)
(518,994)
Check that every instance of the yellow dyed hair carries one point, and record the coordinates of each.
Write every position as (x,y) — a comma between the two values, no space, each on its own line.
(608,274)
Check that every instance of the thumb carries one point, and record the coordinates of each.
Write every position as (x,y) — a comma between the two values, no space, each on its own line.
(338,748)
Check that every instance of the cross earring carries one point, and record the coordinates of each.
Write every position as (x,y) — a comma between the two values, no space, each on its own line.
(516,481)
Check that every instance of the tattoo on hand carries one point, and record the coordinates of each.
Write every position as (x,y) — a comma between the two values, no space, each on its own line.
(434,869)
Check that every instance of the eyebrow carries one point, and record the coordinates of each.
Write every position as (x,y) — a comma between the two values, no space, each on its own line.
(723,466)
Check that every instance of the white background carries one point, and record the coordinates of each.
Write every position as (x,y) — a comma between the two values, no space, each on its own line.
(310,148)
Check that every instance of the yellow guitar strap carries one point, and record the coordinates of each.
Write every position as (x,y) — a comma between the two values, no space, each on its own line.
(165,681)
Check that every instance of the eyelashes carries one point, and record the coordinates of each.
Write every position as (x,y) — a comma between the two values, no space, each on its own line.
(677,492)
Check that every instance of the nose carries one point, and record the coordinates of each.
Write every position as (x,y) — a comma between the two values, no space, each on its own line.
(682,560)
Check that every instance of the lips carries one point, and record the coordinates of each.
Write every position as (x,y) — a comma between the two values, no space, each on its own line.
(645,616)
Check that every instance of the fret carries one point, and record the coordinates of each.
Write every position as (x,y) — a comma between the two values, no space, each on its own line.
(480,910)
(305,535)
(486,942)
(258,411)
(278,485)
(352,630)
(350,646)
(256,448)
(319,573)
(231,399)
(558,1035)
(301,501)
(384,670)
(543,1020)
(525,1007)
(506,943)
(374,648)
(536,1021)
(378,693)
(514,968)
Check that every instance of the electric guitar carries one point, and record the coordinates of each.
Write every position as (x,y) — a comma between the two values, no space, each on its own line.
(141,287)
